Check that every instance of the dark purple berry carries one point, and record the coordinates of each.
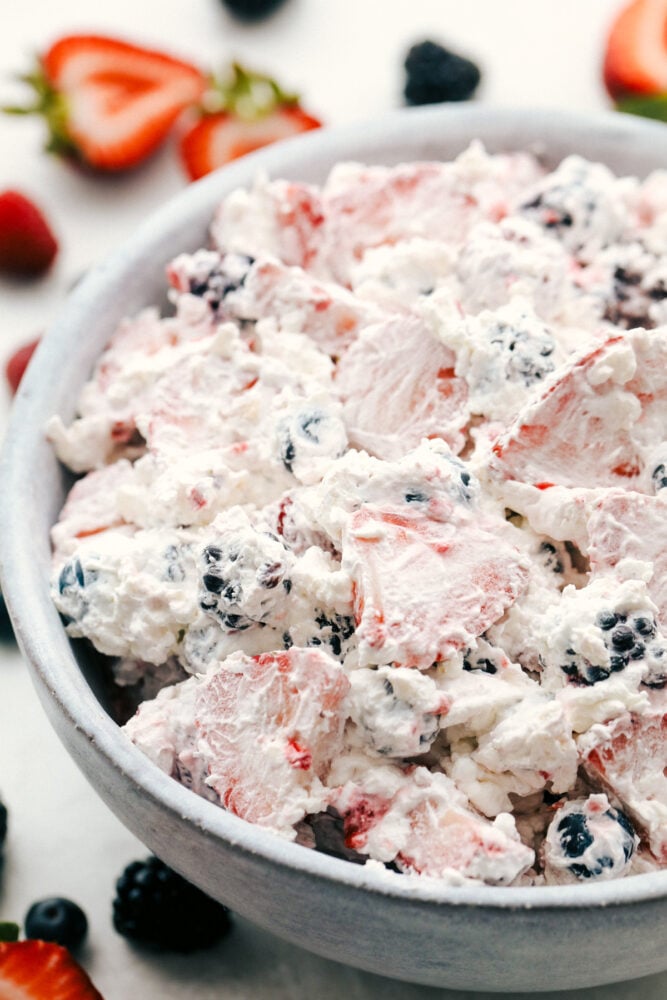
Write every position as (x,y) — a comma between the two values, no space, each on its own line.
(434,74)
(251,10)
(606,620)
(155,906)
(58,920)
(622,637)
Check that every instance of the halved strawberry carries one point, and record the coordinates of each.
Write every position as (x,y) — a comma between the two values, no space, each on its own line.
(635,61)
(39,970)
(243,114)
(107,102)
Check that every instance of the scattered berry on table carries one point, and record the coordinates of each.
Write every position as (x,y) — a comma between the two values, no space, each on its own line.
(27,244)
(435,74)
(252,10)
(77,85)
(16,365)
(240,115)
(157,907)
(58,920)
(41,970)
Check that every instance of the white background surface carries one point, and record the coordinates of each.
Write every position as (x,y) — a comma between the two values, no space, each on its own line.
(345,56)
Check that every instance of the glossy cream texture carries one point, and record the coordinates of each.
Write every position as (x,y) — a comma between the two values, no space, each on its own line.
(374,520)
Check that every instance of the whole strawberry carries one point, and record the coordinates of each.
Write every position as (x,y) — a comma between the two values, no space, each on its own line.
(27,245)
(635,60)
(240,114)
(107,103)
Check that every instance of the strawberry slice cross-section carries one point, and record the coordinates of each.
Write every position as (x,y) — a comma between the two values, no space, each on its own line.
(425,588)
(39,970)
(109,103)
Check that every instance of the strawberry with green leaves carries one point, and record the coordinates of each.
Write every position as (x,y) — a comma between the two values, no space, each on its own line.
(635,61)
(107,103)
(239,115)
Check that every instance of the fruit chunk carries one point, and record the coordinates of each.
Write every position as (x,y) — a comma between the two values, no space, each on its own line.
(435,74)
(398,386)
(247,112)
(424,587)
(107,102)
(635,61)
(269,727)
(590,426)
(628,757)
(630,525)
(40,970)
(27,245)
(155,906)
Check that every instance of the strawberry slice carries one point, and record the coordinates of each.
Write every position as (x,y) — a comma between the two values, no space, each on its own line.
(269,727)
(425,587)
(635,62)
(108,103)
(591,427)
(39,970)
(27,245)
(249,111)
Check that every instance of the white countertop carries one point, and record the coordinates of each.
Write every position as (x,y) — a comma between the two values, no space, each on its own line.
(62,839)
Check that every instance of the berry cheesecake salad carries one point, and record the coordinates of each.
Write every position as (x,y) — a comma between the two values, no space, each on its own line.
(374,525)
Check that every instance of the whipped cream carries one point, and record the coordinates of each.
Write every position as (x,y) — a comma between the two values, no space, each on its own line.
(374,523)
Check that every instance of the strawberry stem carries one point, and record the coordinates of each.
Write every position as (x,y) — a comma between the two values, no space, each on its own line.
(246,94)
(51,105)
(649,106)
(8,931)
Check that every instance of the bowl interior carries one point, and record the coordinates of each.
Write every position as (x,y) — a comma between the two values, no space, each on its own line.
(34,485)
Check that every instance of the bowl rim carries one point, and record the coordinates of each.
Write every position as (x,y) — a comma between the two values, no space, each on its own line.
(39,631)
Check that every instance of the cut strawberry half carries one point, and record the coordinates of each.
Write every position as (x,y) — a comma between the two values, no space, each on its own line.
(107,102)
(635,62)
(243,114)
(39,970)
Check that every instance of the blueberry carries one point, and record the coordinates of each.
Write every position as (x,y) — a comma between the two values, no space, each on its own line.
(415,496)
(252,10)
(575,837)
(288,452)
(645,626)
(480,663)
(622,637)
(58,920)
(606,620)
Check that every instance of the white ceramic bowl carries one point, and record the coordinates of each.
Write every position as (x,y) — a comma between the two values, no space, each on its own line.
(471,938)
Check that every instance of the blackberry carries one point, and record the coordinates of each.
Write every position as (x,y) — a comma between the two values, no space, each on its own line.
(215,277)
(251,10)
(58,920)
(626,638)
(435,74)
(155,906)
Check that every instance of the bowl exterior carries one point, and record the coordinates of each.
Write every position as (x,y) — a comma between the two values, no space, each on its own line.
(470,938)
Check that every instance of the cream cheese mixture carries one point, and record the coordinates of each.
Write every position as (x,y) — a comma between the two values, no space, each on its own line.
(376,521)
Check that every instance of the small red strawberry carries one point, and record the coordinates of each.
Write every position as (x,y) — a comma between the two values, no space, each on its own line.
(39,970)
(108,103)
(27,245)
(635,61)
(16,366)
(239,116)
